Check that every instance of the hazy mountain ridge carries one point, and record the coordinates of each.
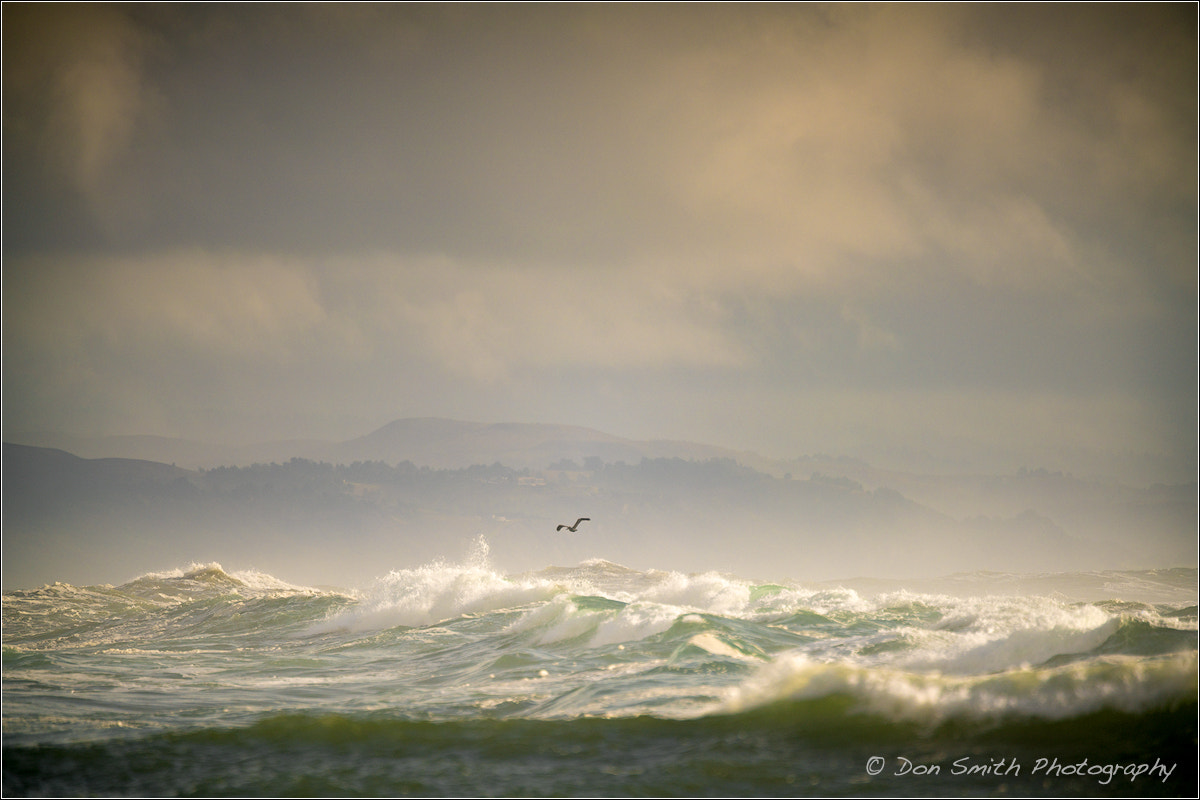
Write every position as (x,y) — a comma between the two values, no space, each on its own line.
(35,475)
(425,441)
(694,513)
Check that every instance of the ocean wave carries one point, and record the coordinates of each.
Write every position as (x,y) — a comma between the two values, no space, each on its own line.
(600,604)
(448,678)
(198,600)
(1121,683)
(436,592)
(206,580)
(799,748)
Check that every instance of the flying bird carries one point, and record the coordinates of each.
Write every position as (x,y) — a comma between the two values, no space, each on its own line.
(572,528)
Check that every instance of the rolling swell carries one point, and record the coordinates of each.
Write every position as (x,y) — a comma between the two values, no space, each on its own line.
(817,746)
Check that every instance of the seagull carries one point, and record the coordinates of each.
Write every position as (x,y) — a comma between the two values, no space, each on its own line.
(572,528)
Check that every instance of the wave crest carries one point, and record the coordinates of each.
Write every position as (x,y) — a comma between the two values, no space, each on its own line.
(1118,683)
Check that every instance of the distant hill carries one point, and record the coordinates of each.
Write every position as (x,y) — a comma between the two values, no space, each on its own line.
(353,516)
(35,477)
(438,482)
(428,441)
(451,444)
(186,453)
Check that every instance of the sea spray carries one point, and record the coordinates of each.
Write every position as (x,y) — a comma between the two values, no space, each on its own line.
(435,592)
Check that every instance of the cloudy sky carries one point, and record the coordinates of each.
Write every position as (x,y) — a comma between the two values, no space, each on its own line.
(957,235)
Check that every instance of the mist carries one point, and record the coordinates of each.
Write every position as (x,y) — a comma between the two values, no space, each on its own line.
(956,245)
(346,513)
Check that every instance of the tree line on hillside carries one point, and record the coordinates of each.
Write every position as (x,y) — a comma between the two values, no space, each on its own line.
(719,477)
(68,486)
(712,511)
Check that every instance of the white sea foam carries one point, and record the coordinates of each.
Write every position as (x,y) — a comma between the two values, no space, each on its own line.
(978,635)
(708,592)
(436,592)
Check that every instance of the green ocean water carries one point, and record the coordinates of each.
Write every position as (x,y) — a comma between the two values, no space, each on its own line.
(455,679)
